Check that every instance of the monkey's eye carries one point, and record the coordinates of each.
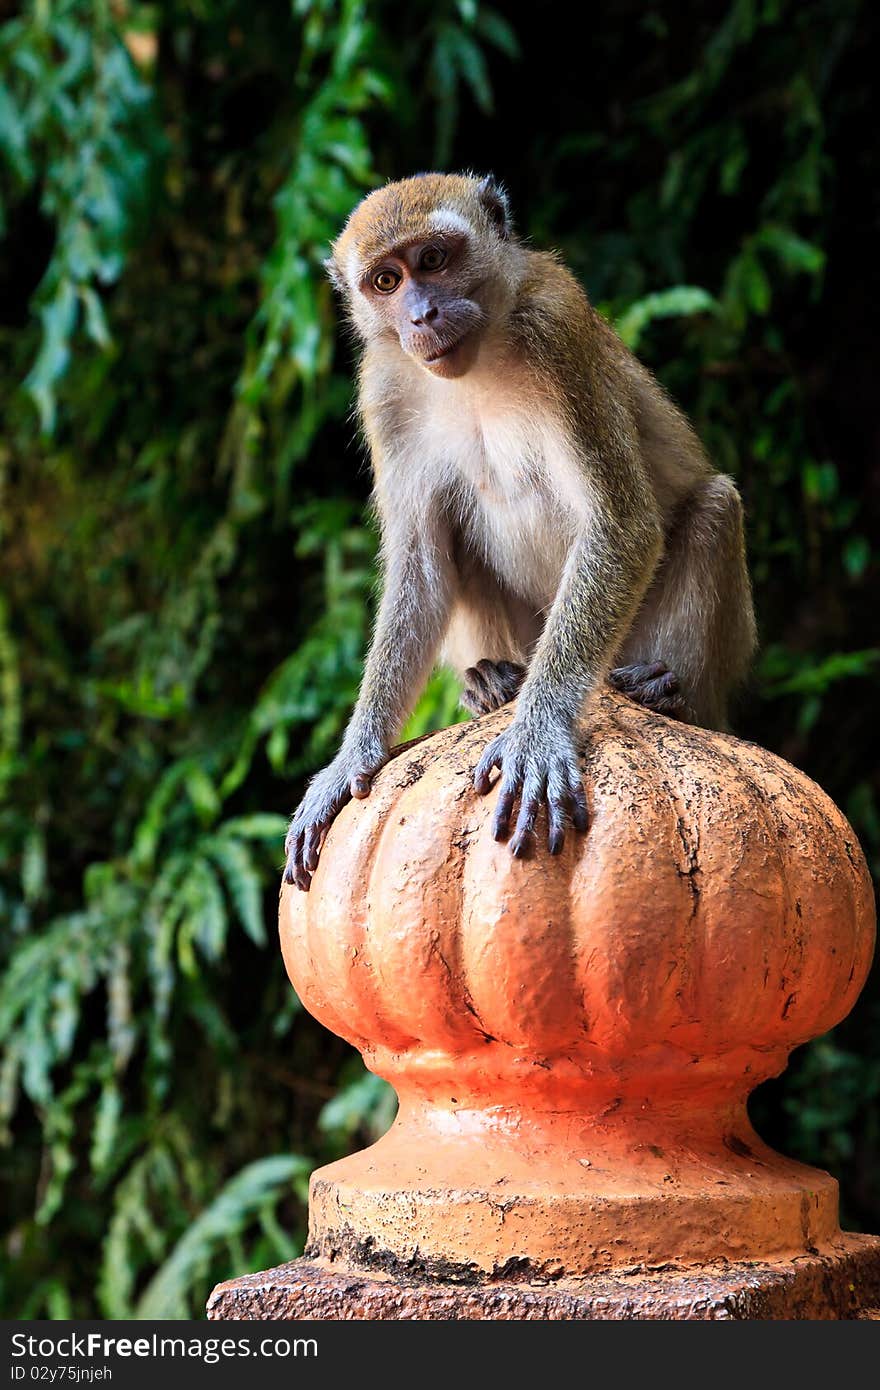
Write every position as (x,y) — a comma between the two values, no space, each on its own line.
(386,281)
(432,258)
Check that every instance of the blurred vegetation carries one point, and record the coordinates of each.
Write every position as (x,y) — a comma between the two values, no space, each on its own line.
(187,570)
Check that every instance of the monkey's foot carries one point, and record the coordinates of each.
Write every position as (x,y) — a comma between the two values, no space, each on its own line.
(490,684)
(653,685)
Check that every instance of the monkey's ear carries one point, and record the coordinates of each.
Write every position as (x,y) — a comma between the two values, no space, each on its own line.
(333,273)
(494,200)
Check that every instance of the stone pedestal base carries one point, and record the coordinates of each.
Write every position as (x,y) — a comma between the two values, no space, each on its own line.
(842,1284)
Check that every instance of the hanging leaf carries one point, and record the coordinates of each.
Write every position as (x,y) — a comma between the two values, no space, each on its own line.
(680,302)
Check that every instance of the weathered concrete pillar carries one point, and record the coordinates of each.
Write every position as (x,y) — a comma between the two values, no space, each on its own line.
(574,1040)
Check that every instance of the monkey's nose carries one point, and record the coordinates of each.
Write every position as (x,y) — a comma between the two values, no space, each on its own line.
(426,316)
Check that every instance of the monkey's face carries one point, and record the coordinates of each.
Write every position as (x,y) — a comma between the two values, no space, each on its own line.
(428,294)
(427,262)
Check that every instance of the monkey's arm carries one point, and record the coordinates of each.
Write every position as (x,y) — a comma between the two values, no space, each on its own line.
(412,616)
(607,573)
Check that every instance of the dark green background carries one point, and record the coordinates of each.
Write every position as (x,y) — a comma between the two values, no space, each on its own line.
(187,572)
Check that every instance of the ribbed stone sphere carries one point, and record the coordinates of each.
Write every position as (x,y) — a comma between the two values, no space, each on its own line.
(717,913)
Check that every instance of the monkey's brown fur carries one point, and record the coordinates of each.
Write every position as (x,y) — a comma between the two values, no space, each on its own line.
(548,515)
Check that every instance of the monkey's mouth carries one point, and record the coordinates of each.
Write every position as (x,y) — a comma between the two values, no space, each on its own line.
(444,351)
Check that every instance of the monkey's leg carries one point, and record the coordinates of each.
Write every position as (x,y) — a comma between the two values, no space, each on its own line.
(694,635)
(490,684)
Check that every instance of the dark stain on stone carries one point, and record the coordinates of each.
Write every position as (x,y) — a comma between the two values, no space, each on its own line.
(737,1146)
(413,774)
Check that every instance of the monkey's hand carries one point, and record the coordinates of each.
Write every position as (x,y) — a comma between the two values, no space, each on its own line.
(537,765)
(349,775)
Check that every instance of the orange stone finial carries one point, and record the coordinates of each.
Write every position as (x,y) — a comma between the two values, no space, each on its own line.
(573,1040)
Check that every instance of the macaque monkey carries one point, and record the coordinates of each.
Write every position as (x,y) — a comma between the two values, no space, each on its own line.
(549,518)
